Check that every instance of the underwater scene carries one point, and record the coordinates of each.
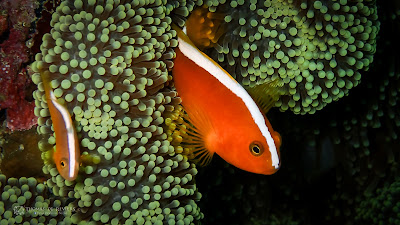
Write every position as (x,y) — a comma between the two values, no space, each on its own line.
(214,112)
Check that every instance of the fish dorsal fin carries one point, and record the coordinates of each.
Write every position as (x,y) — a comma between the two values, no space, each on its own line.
(266,94)
(193,138)
(181,35)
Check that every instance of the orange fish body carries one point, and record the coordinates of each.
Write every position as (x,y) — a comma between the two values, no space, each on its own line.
(67,154)
(228,121)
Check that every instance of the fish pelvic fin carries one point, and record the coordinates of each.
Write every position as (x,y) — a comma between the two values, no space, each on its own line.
(266,94)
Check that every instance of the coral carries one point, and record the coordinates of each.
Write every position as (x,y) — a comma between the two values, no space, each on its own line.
(21,117)
(108,64)
(3,22)
(317,48)
(14,54)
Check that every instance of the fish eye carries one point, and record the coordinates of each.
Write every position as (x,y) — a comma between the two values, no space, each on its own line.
(62,163)
(256,148)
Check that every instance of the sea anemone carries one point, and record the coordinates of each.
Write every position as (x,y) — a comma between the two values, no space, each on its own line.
(316,48)
(108,63)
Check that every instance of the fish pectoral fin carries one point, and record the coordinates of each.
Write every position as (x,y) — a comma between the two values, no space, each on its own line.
(266,94)
(48,155)
(89,159)
(193,138)
(201,156)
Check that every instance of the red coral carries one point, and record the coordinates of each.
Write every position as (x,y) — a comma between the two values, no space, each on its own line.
(21,13)
(3,22)
(14,56)
(22,116)
(12,83)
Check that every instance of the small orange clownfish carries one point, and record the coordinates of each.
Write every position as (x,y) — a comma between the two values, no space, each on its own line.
(204,28)
(66,155)
(226,119)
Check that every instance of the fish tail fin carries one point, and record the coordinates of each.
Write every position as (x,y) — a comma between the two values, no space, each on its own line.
(266,94)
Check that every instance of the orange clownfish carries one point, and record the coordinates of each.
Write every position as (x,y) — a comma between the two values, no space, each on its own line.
(226,119)
(204,28)
(66,155)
